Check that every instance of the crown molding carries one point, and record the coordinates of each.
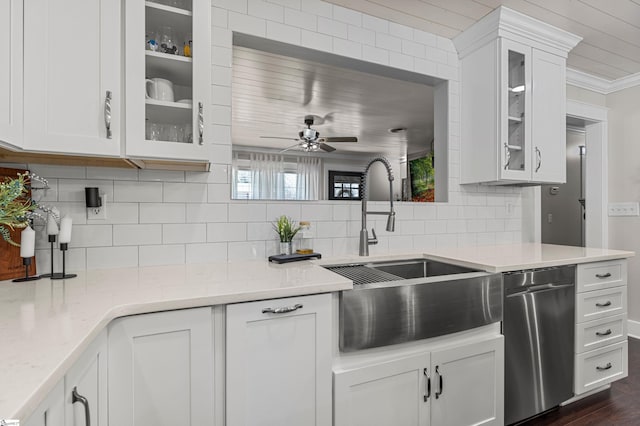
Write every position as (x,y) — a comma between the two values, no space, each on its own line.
(601,85)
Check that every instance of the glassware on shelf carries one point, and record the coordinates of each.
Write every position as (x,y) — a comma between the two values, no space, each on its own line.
(168,40)
(186,49)
(153,131)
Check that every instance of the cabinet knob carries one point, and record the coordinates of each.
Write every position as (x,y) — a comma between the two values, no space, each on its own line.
(76,397)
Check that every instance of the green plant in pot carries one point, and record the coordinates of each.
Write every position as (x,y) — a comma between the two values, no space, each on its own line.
(16,208)
(286,228)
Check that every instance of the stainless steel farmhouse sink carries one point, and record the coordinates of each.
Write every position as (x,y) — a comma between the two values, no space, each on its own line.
(411,299)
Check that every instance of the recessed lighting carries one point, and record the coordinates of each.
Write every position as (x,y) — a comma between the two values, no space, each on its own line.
(397,129)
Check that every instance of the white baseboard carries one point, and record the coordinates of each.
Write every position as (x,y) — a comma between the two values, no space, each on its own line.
(633,329)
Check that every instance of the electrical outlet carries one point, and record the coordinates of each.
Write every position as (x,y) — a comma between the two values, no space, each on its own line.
(98,213)
(624,209)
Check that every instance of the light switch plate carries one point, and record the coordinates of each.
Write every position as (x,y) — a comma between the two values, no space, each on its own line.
(624,209)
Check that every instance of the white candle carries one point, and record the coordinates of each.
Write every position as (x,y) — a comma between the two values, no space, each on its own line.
(52,225)
(27,242)
(65,230)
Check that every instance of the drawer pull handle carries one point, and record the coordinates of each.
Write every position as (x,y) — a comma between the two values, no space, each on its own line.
(605,333)
(76,397)
(606,367)
(427,384)
(439,393)
(607,275)
(282,310)
(604,305)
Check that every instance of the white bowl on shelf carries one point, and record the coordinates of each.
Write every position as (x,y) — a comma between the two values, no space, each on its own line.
(186,101)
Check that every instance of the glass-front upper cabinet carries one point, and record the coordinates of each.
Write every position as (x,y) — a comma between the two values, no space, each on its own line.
(168,63)
(515,121)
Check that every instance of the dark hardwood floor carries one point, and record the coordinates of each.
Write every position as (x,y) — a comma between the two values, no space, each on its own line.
(619,405)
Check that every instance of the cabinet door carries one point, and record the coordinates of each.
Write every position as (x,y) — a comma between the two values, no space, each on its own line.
(468,384)
(549,115)
(279,362)
(388,393)
(165,128)
(161,369)
(72,76)
(11,45)
(515,107)
(88,378)
(51,411)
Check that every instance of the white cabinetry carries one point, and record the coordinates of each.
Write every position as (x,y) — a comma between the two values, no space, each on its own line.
(601,325)
(279,362)
(513,100)
(11,33)
(72,85)
(455,385)
(85,387)
(50,412)
(161,369)
(175,128)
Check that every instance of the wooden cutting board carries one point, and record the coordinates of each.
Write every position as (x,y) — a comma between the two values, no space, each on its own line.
(10,261)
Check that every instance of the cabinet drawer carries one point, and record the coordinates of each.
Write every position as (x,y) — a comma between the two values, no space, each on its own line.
(600,367)
(601,275)
(599,333)
(601,303)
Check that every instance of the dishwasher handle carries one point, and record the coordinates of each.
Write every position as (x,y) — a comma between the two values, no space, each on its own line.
(539,287)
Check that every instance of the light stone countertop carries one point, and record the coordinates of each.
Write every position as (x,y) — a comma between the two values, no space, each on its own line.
(46,325)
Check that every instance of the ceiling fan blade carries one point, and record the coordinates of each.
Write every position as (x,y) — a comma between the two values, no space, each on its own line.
(289,147)
(278,137)
(326,148)
(339,139)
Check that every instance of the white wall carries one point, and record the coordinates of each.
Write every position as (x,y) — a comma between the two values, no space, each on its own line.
(178,217)
(624,181)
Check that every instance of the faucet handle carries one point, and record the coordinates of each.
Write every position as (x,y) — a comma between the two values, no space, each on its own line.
(373,240)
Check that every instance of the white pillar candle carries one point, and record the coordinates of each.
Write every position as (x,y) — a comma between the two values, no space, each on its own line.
(27,242)
(65,230)
(52,225)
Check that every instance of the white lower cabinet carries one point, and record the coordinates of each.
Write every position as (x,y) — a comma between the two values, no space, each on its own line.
(161,369)
(457,385)
(50,412)
(85,387)
(279,362)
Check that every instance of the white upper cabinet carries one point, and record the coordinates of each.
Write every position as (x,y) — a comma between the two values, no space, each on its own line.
(168,68)
(513,77)
(11,72)
(72,85)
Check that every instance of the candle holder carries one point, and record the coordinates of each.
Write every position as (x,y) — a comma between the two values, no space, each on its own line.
(26,261)
(52,240)
(63,275)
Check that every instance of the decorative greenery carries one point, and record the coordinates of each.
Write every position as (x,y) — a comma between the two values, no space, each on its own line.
(16,208)
(286,228)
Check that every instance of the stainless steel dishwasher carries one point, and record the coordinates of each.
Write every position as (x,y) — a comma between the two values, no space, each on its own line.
(538,327)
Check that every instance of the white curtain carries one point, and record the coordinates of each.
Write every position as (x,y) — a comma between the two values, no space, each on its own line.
(267,176)
(308,173)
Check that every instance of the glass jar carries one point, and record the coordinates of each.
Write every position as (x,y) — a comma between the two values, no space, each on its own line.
(305,242)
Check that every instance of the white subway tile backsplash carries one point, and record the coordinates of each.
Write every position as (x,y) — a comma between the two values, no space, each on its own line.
(221,114)
(399,60)
(221,134)
(283,33)
(248,250)
(332,27)
(221,56)
(91,236)
(117,213)
(219,173)
(374,23)
(347,48)
(51,171)
(162,213)
(184,233)
(373,54)
(330,229)
(112,257)
(317,41)
(219,17)
(161,175)
(206,252)
(220,76)
(218,232)
(111,173)
(137,191)
(251,212)
(348,16)
(400,243)
(73,190)
(75,260)
(317,7)
(424,66)
(134,235)
(221,37)
(414,49)
(185,192)
(239,6)
(266,10)
(361,35)
(260,231)
(425,38)
(173,254)
(388,42)
(316,212)
(275,210)
(247,24)
(299,19)
(424,242)
(401,31)
(218,193)
(293,4)
(203,213)
(221,95)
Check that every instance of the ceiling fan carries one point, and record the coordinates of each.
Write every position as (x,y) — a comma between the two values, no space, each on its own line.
(309,139)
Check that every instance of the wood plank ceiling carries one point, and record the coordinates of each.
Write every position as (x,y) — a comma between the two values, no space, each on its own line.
(610,48)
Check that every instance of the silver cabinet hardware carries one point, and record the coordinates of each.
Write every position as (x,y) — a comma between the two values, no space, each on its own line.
(507,155)
(539,157)
(427,385)
(282,310)
(107,114)
(604,305)
(603,333)
(607,275)
(76,397)
(440,383)
(200,123)
(606,367)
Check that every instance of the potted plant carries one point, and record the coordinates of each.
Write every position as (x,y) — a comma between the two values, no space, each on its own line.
(15,206)
(286,229)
